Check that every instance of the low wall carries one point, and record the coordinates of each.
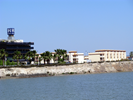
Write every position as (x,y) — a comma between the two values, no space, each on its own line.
(105,67)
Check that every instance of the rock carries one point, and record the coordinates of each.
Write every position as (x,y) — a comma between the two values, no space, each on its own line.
(105,67)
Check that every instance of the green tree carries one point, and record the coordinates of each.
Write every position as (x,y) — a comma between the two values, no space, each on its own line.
(54,57)
(64,54)
(48,56)
(1,62)
(131,54)
(29,55)
(3,55)
(34,55)
(40,59)
(17,55)
(61,54)
(37,56)
(43,55)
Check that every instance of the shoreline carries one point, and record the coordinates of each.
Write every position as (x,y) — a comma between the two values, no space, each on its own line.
(44,75)
(91,68)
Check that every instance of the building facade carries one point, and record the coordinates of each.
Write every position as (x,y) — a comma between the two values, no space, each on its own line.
(75,57)
(11,45)
(107,55)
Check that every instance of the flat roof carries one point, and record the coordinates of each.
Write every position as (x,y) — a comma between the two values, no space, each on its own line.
(110,50)
(72,51)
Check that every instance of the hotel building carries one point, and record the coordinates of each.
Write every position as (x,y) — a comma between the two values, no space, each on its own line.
(107,55)
(11,45)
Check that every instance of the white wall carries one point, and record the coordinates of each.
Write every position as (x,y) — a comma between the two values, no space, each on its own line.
(80,57)
(94,58)
(108,56)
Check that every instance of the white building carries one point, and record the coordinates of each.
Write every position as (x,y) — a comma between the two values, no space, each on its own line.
(86,59)
(107,55)
(75,57)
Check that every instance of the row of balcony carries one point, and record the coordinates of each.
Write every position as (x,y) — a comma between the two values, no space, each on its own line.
(19,43)
(18,48)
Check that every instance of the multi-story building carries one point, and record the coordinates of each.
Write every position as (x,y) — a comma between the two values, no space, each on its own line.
(107,55)
(75,57)
(11,45)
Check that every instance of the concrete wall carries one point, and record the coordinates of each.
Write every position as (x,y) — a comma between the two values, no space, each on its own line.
(80,58)
(77,68)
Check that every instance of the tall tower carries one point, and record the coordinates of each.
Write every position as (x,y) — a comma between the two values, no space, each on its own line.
(10,32)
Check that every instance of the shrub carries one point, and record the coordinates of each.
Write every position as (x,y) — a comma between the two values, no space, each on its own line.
(7,74)
(1,62)
(71,73)
(100,62)
(124,60)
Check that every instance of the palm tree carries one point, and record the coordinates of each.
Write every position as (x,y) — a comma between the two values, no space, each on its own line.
(64,54)
(37,56)
(54,57)
(3,55)
(131,54)
(48,56)
(43,55)
(29,56)
(17,56)
(61,54)
(40,59)
(34,55)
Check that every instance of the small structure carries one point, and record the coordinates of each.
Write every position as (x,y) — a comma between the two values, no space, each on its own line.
(130,58)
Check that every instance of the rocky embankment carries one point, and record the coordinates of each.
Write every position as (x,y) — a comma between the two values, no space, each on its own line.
(105,67)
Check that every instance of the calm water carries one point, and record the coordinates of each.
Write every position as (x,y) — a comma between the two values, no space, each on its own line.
(111,86)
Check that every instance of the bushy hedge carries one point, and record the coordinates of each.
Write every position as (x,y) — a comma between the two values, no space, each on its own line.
(8,63)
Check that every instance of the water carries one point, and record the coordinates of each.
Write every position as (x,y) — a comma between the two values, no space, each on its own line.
(109,86)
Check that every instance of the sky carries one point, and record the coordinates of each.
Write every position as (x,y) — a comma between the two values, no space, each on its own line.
(81,25)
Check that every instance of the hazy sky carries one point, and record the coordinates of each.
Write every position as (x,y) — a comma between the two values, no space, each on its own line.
(81,25)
